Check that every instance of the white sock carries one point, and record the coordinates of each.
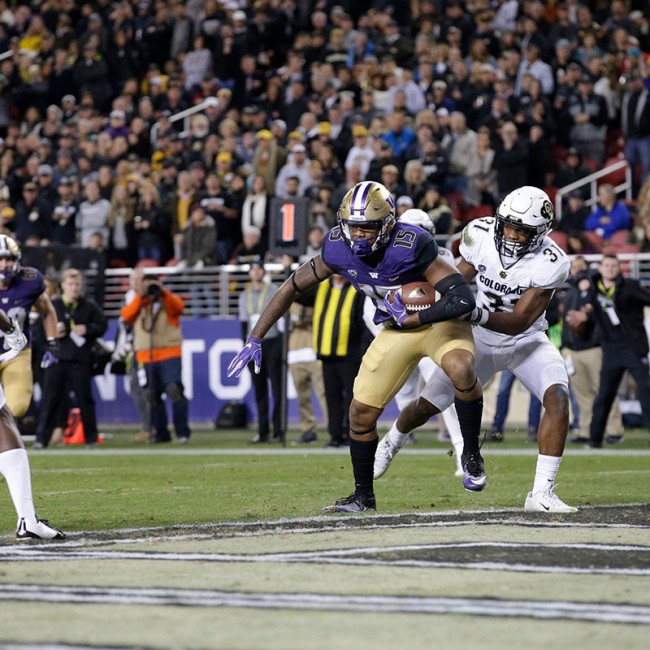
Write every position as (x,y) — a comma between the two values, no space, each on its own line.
(14,466)
(395,436)
(450,418)
(546,470)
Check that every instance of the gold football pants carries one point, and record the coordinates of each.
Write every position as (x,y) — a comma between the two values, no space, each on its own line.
(394,354)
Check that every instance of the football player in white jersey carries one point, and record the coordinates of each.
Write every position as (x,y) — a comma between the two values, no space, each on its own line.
(425,367)
(517,269)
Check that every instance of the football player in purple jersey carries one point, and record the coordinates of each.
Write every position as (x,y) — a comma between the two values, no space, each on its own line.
(378,255)
(21,288)
(14,464)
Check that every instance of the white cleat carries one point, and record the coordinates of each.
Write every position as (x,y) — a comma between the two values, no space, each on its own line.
(384,455)
(546,500)
(39,530)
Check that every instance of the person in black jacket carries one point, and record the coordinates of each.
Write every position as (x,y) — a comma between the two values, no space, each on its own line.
(583,352)
(617,303)
(80,322)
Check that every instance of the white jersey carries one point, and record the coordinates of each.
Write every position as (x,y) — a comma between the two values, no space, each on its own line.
(499,288)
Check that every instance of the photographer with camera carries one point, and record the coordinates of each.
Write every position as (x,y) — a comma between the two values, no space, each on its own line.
(154,313)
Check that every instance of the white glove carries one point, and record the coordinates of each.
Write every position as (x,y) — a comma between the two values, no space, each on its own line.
(182,264)
(15,339)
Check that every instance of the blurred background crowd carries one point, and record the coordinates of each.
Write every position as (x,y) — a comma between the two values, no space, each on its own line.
(450,104)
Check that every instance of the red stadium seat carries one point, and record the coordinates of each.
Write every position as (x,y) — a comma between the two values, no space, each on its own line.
(146,263)
(456,202)
(614,178)
(560,238)
(469,214)
(594,239)
(551,190)
(619,238)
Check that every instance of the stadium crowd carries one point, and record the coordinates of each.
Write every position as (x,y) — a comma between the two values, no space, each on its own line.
(451,104)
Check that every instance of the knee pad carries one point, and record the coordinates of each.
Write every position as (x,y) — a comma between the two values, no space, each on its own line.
(174,392)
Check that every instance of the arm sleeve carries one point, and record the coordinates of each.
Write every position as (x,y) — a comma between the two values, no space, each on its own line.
(130,312)
(457,300)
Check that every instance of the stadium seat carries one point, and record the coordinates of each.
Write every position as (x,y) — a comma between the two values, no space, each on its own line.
(614,178)
(456,202)
(619,238)
(614,249)
(560,238)
(589,162)
(558,156)
(477,211)
(146,263)
(594,239)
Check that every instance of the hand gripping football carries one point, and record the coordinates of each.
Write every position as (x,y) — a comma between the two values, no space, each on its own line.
(416,296)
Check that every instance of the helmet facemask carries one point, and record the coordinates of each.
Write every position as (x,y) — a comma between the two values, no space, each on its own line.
(370,205)
(530,211)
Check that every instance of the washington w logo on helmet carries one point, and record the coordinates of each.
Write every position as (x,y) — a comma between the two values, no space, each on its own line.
(368,206)
(9,249)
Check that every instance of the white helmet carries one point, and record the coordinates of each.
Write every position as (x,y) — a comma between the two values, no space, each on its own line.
(529,209)
(416,217)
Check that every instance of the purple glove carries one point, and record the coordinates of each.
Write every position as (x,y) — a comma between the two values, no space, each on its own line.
(49,358)
(252,351)
(396,308)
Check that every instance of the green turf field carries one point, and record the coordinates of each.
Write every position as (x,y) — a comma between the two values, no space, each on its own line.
(220,477)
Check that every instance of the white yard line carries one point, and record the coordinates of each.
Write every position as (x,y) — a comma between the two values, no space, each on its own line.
(583,611)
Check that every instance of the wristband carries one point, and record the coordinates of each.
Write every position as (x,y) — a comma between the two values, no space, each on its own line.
(484,314)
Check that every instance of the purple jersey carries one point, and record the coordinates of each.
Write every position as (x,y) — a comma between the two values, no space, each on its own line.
(21,294)
(404,259)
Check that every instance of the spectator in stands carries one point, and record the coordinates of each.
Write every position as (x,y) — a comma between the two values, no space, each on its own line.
(361,153)
(151,225)
(93,214)
(196,252)
(458,146)
(510,160)
(635,122)
(63,228)
(574,214)
(609,215)
(482,188)
(436,206)
(572,169)
(31,222)
(588,114)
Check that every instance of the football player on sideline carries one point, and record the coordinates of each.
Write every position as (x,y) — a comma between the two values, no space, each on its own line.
(517,269)
(378,255)
(22,287)
(14,464)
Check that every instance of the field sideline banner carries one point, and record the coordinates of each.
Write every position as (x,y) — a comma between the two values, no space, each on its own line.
(208,348)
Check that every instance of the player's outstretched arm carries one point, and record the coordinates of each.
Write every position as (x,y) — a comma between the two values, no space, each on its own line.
(305,277)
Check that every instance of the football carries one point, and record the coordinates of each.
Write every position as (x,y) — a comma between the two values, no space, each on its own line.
(416,296)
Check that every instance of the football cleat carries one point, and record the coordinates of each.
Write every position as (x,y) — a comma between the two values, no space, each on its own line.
(353,503)
(40,530)
(545,500)
(384,455)
(475,478)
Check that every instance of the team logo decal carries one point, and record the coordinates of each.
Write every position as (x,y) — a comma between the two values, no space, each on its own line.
(482,268)
(503,274)
(352,273)
(547,211)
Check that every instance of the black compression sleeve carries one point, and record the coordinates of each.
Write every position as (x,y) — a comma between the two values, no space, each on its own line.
(457,299)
